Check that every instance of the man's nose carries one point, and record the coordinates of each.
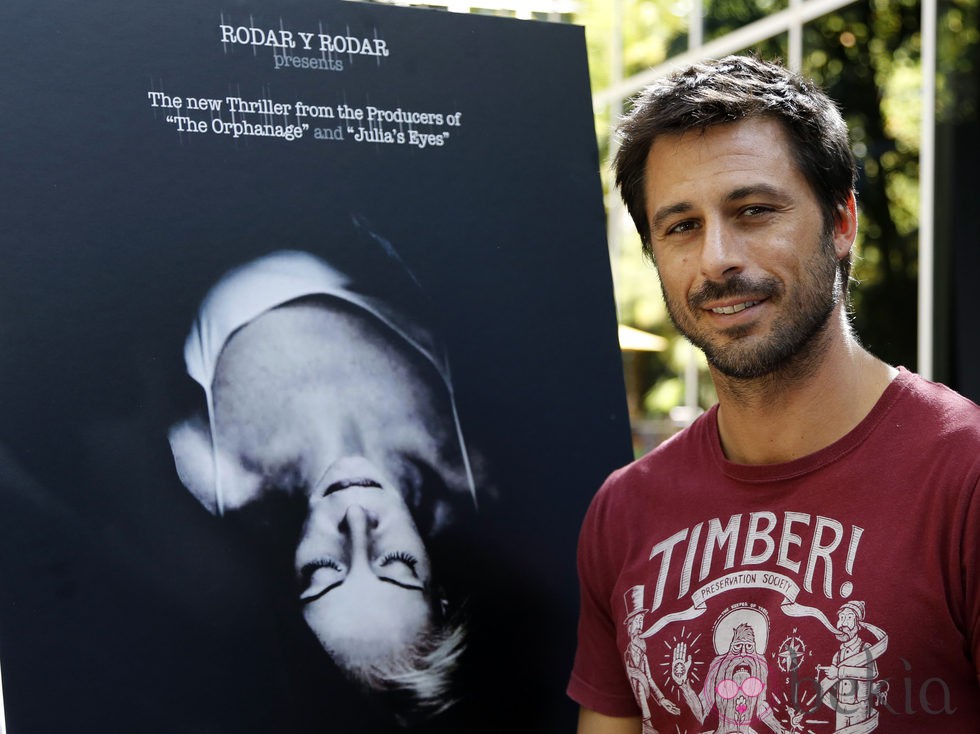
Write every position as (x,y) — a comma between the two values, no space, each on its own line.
(722,254)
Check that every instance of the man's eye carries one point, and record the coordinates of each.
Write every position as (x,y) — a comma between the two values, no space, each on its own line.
(687,225)
(756,210)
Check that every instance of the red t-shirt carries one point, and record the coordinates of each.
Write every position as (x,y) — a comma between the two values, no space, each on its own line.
(836,593)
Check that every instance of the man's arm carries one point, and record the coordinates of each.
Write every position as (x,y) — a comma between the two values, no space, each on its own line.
(592,722)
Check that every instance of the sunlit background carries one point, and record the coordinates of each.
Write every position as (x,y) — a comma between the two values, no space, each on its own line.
(891,64)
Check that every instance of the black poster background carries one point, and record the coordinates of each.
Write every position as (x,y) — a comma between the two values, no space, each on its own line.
(124,606)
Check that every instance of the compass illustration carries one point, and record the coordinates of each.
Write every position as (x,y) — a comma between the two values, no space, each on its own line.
(791,653)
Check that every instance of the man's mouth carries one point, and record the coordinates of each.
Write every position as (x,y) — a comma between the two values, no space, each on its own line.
(735,308)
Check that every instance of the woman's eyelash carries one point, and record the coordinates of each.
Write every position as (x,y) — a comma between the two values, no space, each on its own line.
(306,573)
(399,556)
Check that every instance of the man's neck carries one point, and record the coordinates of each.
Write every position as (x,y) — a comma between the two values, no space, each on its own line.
(783,417)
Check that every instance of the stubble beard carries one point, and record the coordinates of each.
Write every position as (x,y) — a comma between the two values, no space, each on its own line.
(794,345)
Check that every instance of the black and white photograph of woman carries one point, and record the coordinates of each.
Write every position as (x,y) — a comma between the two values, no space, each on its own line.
(327,391)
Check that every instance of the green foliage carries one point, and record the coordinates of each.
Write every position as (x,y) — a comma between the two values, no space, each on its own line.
(868,57)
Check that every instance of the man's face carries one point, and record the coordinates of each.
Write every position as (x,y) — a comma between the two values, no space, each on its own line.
(635,625)
(742,647)
(847,623)
(747,271)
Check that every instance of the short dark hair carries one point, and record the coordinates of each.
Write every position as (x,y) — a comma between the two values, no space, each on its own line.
(728,90)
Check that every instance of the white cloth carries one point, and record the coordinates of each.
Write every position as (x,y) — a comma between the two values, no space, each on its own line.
(250,290)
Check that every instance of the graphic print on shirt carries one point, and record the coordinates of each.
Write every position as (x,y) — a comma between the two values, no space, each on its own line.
(816,677)
(849,687)
(637,666)
(735,682)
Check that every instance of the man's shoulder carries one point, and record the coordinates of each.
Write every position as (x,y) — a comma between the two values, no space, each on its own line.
(635,500)
(940,405)
(931,428)
(689,447)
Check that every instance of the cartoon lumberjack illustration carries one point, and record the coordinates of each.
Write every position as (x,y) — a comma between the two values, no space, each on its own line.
(849,688)
(735,684)
(637,666)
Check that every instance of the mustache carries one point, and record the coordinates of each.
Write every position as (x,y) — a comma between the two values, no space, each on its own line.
(844,629)
(736,286)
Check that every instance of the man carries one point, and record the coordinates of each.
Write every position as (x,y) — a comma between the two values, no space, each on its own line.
(735,684)
(822,473)
(637,665)
(848,686)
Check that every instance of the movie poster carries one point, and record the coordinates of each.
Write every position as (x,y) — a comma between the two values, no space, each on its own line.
(309,367)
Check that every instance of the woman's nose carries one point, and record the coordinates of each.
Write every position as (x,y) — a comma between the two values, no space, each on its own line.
(358,524)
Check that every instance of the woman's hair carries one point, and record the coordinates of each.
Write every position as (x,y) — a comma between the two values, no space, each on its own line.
(420,677)
(418,680)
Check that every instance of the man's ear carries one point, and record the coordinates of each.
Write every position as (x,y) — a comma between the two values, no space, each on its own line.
(845,227)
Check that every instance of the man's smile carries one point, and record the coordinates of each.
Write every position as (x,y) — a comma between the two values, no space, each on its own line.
(735,308)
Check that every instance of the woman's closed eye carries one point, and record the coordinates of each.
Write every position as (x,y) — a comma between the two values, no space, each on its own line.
(318,577)
(399,568)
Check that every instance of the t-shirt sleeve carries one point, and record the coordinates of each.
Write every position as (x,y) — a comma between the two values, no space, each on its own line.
(971,574)
(598,681)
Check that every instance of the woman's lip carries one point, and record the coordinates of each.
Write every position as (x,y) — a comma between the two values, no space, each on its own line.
(346,472)
(350,482)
